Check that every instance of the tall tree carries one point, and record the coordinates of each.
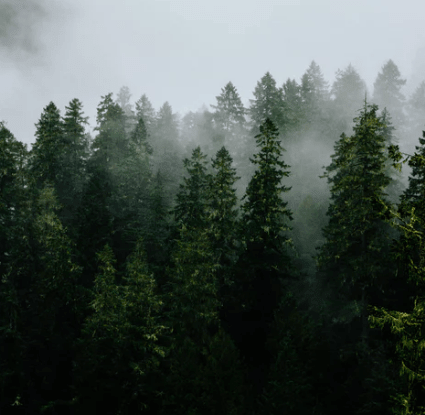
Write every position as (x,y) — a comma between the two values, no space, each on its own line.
(167,150)
(355,254)
(416,109)
(387,92)
(191,209)
(73,160)
(48,148)
(265,260)
(314,92)
(229,112)
(44,305)
(145,110)
(268,103)
(120,339)
(406,316)
(348,92)
(123,100)
(293,102)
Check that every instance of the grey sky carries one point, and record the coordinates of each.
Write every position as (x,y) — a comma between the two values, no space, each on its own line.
(185,51)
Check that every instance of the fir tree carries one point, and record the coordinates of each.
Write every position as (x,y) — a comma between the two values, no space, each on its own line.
(265,261)
(387,92)
(348,92)
(47,151)
(145,110)
(229,112)
(355,254)
(268,103)
(192,200)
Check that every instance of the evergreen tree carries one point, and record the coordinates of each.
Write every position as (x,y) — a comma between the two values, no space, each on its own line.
(111,141)
(44,303)
(145,110)
(120,340)
(222,203)
(314,92)
(406,319)
(268,103)
(348,92)
(293,102)
(166,150)
(265,260)
(13,210)
(123,100)
(192,200)
(229,113)
(416,109)
(47,151)
(355,254)
(387,92)
(74,158)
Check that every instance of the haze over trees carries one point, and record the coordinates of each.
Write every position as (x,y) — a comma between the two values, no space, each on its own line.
(260,260)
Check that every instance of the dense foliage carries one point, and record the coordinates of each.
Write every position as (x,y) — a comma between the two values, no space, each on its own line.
(200,266)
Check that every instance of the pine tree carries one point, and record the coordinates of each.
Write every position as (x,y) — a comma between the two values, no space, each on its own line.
(387,92)
(145,110)
(268,103)
(265,261)
(166,150)
(348,92)
(293,103)
(222,203)
(355,254)
(191,209)
(406,322)
(44,304)
(48,148)
(13,210)
(111,141)
(74,158)
(314,93)
(229,112)
(416,109)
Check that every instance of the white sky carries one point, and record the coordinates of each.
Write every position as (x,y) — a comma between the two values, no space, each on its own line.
(185,51)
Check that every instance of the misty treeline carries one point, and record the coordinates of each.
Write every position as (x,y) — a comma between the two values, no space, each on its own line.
(201,266)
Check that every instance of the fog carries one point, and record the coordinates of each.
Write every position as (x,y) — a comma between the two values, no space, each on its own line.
(184,51)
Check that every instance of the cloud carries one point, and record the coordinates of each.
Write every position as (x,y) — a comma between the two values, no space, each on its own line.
(21,22)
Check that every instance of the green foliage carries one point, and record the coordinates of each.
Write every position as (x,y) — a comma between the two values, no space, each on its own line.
(265,214)
(222,202)
(406,325)
(229,112)
(43,303)
(47,151)
(387,91)
(145,110)
(268,103)
(120,338)
(348,92)
(192,200)
(355,256)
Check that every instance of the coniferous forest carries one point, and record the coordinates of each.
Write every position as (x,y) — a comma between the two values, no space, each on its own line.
(261,260)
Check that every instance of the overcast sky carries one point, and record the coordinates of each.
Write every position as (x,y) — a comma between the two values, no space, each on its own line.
(185,51)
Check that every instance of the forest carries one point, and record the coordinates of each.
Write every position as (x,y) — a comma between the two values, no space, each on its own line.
(262,260)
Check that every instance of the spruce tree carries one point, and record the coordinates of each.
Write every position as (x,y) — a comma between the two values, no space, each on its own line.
(354,257)
(229,113)
(387,92)
(265,260)
(145,110)
(268,103)
(192,198)
(48,149)
(74,159)
(348,92)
